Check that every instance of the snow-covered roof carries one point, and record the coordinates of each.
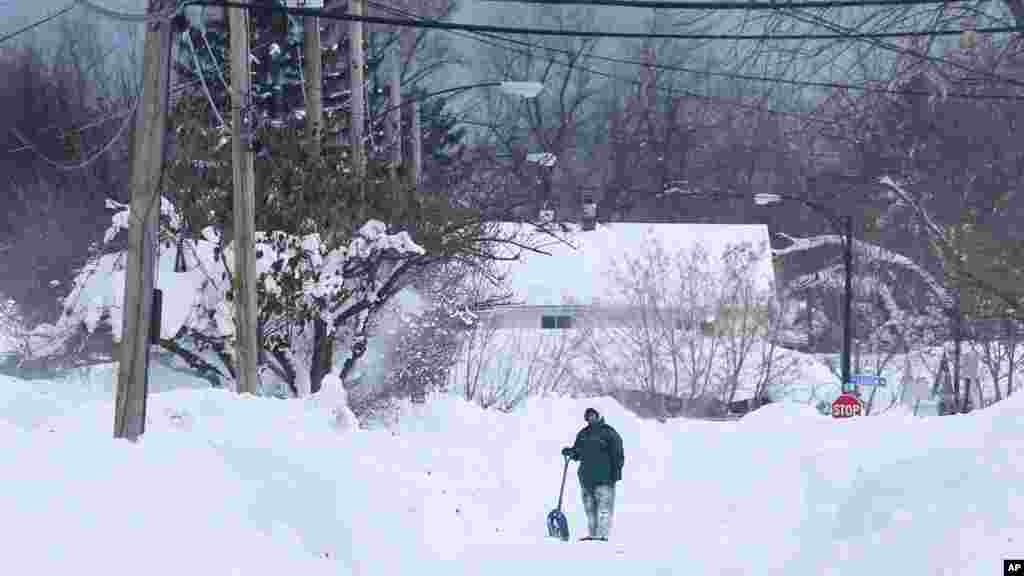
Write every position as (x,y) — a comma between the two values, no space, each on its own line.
(578,268)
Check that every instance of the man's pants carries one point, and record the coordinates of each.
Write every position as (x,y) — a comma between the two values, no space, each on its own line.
(599,503)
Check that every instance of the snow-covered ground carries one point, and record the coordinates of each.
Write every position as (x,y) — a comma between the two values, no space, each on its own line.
(223,485)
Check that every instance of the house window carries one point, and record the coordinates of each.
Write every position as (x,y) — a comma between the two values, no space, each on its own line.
(556,322)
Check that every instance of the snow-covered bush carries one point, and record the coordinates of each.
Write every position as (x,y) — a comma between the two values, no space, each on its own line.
(312,297)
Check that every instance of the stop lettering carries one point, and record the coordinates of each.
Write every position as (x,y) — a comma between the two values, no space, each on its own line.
(847,406)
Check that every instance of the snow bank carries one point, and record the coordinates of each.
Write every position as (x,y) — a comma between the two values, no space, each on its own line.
(223,484)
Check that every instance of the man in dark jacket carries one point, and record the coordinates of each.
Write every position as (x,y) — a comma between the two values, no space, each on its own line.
(598,448)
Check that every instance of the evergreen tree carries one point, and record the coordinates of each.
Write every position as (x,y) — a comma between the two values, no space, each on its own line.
(277,84)
(297,194)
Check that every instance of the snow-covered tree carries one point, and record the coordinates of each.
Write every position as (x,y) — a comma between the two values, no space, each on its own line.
(313,297)
(319,294)
(427,345)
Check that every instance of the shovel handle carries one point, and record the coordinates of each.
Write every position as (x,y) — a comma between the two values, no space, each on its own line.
(561,491)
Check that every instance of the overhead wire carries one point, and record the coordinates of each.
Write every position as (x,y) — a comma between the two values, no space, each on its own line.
(819,20)
(38,23)
(67,167)
(765,79)
(503,41)
(209,50)
(530,31)
(202,79)
(136,17)
(485,30)
(721,6)
(119,114)
(126,116)
(492,39)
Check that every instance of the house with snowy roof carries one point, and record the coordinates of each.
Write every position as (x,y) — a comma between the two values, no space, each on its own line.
(573,309)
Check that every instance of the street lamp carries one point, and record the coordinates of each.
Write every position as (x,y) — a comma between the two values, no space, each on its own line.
(843,226)
(523,89)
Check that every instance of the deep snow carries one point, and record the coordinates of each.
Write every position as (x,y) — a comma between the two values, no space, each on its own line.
(222,484)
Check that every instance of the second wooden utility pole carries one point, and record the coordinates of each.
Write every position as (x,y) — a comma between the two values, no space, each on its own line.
(313,71)
(242,163)
(394,123)
(147,163)
(356,75)
(417,144)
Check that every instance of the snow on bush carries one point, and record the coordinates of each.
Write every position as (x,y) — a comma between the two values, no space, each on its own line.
(301,281)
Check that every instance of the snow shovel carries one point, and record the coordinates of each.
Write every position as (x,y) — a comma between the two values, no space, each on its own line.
(558,526)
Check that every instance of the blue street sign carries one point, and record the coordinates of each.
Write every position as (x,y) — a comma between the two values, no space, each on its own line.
(867,380)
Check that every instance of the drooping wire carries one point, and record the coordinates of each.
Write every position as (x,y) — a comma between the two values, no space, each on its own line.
(133,16)
(209,50)
(38,23)
(67,167)
(202,80)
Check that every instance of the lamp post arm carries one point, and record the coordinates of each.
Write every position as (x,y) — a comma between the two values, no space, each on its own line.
(437,93)
(840,224)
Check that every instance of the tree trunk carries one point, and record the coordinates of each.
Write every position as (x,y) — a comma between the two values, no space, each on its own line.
(358,349)
(1011,355)
(323,357)
(957,319)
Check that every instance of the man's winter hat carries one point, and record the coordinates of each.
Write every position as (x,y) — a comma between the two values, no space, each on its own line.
(590,412)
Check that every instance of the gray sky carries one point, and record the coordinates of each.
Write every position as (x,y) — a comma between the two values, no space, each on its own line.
(17,13)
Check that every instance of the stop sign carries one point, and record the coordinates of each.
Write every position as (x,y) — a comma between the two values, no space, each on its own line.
(846,406)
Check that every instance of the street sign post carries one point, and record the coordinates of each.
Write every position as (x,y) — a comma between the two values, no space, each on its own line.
(867,380)
(847,406)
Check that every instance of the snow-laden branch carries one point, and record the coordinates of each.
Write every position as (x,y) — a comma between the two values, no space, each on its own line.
(942,241)
(869,252)
(936,231)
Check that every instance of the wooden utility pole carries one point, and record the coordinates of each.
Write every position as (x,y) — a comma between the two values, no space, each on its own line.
(313,71)
(147,163)
(394,123)
(417,144)
(355,55)
(242,164)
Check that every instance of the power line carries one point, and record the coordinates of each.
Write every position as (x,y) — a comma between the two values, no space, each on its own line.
(117,15)
(202,79)
(819,20)
(136,17)
(39,23)
(493,39)
(116,115)
(755,78)
(67,167)
(113,115)
(713,5)
(832,85)
(402,22)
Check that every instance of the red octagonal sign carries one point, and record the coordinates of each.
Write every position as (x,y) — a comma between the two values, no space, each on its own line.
(847,406)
